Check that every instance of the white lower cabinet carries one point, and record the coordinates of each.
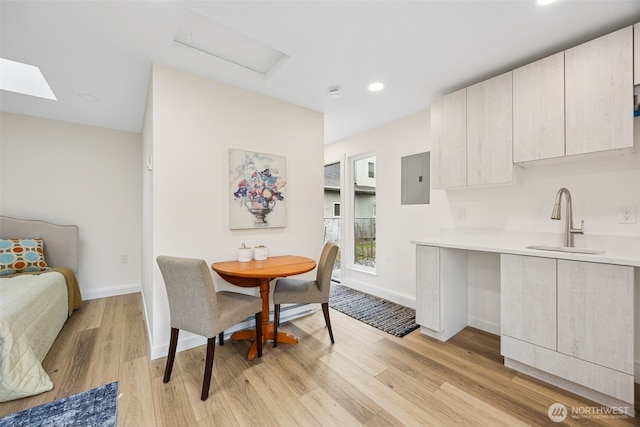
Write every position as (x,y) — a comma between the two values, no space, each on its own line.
(595,313)
(428,289)
(528,299)
(573,320)
(441,291)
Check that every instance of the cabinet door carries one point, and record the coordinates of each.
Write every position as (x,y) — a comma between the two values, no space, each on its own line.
(636,54)
(449,140)
(595,313)
(428,287)
(538,110)
(528,299)
(599,94)
(489,131)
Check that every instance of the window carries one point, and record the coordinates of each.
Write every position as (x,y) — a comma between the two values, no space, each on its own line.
(364,212)
(332,210)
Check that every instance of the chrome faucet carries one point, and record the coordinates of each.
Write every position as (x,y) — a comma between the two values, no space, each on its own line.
(569,231)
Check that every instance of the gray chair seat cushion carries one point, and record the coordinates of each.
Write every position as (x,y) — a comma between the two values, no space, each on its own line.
(297,291)
(233,308)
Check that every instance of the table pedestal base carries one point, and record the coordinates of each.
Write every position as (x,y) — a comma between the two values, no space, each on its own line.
(250,334)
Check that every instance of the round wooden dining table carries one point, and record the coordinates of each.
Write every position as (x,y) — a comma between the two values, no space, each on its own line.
(260,273)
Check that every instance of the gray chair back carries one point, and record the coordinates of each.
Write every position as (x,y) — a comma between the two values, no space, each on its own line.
(192,294)
(325,267)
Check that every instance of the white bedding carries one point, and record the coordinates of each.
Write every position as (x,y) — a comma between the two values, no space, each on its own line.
(33,309)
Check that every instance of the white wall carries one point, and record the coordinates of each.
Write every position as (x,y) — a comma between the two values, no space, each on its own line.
(396,224)
(599,186)
(75,174)
(194,123)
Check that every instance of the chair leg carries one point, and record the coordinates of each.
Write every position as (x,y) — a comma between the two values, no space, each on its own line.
(221,338)
(259,333)
(173,343)
(208,367)
(325,310)
(276,323)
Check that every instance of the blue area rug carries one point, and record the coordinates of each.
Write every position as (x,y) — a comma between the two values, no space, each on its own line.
(96,407)
(380,313)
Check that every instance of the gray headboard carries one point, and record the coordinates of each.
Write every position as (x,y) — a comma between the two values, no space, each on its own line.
(60,241)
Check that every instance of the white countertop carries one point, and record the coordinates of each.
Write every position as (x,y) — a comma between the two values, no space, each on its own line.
(619,249)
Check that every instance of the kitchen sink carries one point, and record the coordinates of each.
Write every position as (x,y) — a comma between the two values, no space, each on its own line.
(566,249)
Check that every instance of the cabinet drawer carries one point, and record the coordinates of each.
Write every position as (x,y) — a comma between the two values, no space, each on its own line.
(604,380)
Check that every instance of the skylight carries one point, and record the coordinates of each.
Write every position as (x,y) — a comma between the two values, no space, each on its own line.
(24,79)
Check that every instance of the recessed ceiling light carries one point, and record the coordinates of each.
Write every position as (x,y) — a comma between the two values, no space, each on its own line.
(88,97)
(24,79)
(545,2)
(376,87)
(335,92)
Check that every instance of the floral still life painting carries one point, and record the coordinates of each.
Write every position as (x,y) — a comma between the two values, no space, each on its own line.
(257,189)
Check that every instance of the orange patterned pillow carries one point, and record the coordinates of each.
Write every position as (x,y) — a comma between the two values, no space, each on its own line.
(21,255)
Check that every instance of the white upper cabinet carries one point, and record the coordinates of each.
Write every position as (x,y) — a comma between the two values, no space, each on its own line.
(636,54)
(449,140)
(489,131)
(574,102)
(599,94)
(538,110)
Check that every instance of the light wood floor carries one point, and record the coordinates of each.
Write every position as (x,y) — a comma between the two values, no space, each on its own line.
(367,378)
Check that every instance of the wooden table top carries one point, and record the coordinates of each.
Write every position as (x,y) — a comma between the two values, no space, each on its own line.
(276,266)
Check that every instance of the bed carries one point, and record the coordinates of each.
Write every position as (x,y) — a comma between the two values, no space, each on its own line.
(38,292)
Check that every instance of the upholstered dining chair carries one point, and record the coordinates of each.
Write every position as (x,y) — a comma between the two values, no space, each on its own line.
(196,307)
(301,291)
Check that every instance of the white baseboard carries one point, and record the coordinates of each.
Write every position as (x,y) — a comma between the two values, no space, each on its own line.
(187,341)
(483,325)
(109,292)
(382,293)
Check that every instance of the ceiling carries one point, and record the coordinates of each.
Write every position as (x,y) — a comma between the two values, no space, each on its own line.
(419,49)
